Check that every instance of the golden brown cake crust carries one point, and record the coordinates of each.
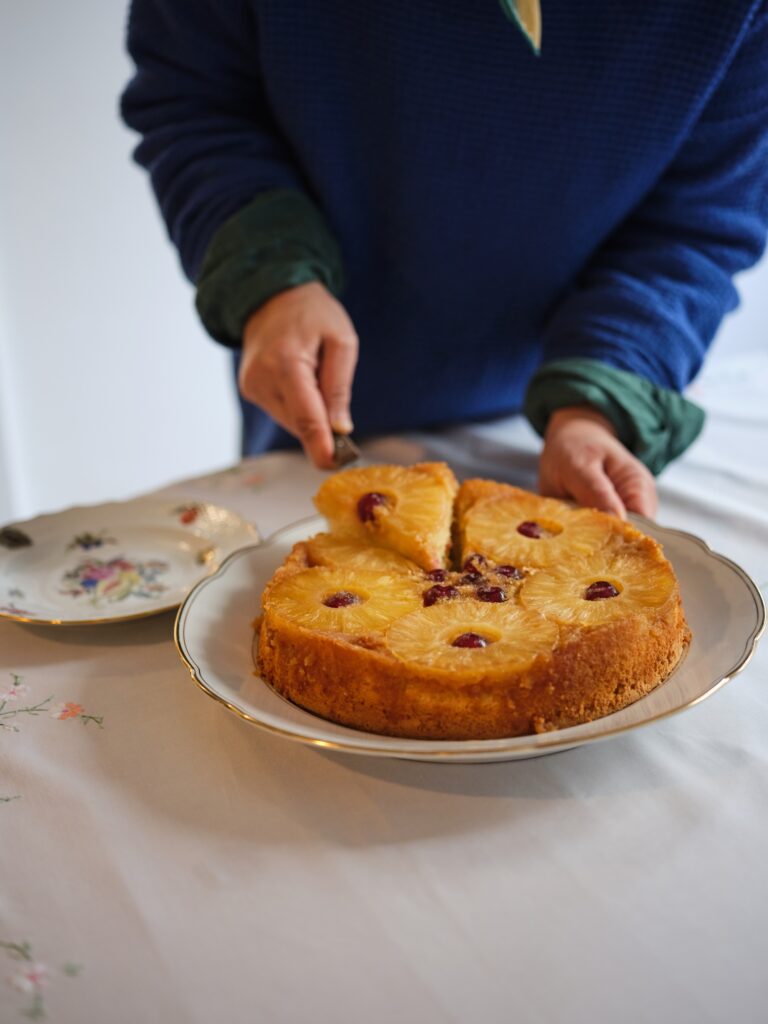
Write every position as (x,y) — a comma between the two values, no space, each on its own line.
(362,680)
(598,672)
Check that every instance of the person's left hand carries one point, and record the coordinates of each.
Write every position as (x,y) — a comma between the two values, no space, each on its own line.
(584,460)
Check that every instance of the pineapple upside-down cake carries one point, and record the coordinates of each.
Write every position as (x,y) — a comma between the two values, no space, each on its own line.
(434,611)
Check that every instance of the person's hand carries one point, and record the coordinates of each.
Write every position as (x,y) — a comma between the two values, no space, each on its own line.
(584,460)
(298,361)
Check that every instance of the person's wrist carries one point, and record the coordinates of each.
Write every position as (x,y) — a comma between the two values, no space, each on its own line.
(567,414)
(298,293)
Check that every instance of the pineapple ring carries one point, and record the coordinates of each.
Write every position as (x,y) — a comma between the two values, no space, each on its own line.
(299,598)
(515,636)
(491,526)
(641,575)
(342,552)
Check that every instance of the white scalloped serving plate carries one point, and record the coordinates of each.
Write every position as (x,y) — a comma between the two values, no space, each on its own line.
(215,639)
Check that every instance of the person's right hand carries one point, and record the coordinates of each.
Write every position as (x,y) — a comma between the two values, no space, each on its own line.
(298,361)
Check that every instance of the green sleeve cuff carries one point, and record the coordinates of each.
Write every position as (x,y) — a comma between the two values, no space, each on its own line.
(654,423)
(279,241)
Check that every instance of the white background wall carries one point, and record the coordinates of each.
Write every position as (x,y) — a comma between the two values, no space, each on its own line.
(108,386)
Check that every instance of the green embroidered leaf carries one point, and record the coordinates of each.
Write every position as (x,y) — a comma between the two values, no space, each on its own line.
(36,1009)
(527,15)
(17,950)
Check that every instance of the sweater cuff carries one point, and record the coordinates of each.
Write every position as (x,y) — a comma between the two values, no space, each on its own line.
(279,241)
(654,423)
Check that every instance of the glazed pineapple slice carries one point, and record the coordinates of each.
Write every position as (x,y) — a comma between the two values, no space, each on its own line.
(404,509)
(603,587)
(349,601)
(513,526)
(470,639)
(338,552)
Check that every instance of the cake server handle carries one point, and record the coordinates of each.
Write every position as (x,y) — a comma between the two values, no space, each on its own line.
(345,451)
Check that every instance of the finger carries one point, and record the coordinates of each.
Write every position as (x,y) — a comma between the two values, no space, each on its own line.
(277,410)
(590,485)
(267,398)
(633,482)
(257,381)
(258,385)
(275,406)
(547,486)
(306,413)
(337,369)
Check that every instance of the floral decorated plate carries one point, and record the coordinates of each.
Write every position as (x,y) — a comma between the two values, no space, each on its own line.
(105,563)
(215,638)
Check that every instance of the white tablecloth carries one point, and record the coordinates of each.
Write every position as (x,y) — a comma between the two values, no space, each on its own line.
(164,861)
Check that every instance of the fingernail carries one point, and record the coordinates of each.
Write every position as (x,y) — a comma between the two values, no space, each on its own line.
(342,424)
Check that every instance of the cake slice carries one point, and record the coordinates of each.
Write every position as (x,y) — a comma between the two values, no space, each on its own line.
(407,509)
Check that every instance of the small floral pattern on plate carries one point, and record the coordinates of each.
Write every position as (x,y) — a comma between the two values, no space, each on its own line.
(114,580)
(11,609)
(187,513)
(87,540)
(12,537)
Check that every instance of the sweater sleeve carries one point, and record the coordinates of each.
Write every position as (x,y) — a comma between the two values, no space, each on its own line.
(652,297)
(208,138)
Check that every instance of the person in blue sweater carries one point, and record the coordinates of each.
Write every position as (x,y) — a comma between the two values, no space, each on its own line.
(545,221)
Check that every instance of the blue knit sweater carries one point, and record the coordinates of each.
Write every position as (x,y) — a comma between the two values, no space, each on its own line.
(494,209)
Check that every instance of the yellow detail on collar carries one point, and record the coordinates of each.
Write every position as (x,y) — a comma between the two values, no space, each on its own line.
(527,14)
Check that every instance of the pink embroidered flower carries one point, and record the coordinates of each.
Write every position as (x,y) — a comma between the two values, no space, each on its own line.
(31,979)
(67,709)
(14,692)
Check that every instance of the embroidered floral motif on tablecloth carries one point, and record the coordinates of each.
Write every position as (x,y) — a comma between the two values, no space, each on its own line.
(31,977)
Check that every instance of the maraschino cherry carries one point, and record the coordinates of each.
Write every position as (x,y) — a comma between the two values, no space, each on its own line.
(367,505)
(530,529)
(470,640)
(341,599)
(439,593)
(600,590)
